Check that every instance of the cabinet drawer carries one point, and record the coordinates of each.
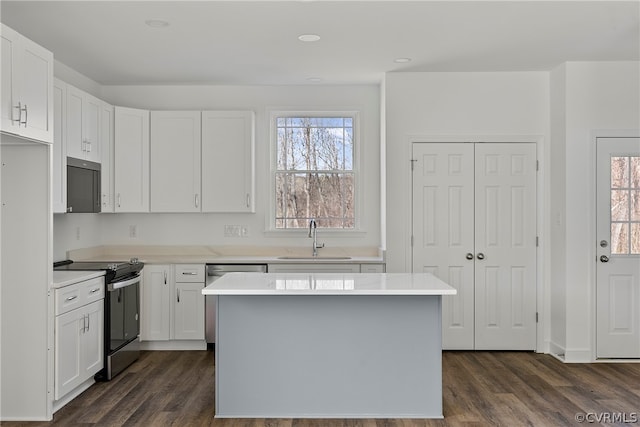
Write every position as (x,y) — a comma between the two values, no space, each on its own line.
(189,273)
(79,294)
(93,290)
(371,268)
(68,298)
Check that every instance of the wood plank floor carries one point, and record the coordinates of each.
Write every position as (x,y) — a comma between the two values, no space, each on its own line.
(480,389)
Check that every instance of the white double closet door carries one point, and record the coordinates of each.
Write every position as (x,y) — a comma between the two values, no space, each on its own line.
(474,226)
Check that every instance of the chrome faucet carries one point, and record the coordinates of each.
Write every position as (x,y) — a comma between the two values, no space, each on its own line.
(313,233)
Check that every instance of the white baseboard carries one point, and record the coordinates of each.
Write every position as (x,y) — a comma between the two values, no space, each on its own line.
(174,345)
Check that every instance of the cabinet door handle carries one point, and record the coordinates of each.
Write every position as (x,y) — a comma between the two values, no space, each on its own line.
(88,322)
(26,111)
(72,298)
(19,108)
(248,200)
(178,294)
(189,273)
(118,199)
(165,277)
(197,201)
(480,256)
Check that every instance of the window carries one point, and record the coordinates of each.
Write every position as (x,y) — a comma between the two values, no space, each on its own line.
(315,174)
(625,205)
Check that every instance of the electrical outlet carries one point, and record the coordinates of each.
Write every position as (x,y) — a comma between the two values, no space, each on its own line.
(133,231)
(232,231)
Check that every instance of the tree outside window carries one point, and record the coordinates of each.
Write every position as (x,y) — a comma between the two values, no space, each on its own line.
(315,175)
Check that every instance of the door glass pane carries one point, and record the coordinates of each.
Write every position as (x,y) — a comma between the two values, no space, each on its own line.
(619,172)
(619,205)
(635,238)
(635,172)
(619,238)
(635,205)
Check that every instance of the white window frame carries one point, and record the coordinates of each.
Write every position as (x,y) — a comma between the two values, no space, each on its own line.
(357,156)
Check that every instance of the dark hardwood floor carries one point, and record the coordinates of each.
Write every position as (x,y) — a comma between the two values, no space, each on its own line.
(480,389)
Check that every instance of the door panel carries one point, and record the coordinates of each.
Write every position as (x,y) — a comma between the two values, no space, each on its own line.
(443,231)
(505,242)
(618,248)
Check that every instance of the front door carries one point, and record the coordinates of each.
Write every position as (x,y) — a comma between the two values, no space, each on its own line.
(618,248)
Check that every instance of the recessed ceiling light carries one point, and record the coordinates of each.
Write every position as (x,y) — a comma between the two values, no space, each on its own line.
(156,23)
(402,60)
(314,79)
(309,37)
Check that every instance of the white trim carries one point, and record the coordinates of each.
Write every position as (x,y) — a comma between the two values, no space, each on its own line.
(356,115)
(542,195)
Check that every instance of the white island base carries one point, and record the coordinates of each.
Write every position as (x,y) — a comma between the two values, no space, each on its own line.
(341,348)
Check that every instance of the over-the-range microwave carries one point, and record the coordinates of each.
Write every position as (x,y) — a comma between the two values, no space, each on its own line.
(83,186)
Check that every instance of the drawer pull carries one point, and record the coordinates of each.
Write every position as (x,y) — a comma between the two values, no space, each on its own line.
(93,291)
(72,298)
(189,273)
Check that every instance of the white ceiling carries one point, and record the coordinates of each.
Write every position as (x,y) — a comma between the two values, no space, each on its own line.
(255,42)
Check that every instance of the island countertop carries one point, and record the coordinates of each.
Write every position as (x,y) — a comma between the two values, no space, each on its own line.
(329,284)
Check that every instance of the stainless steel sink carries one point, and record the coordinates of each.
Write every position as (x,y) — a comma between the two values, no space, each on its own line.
(312,258)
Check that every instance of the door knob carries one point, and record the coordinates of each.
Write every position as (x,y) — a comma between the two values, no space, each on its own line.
(480,255)
(604,258)
(469,255)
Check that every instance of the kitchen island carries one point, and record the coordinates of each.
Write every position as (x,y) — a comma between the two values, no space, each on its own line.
(328,345)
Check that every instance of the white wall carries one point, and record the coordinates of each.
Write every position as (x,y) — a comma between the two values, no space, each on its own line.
(598,96)
(208,229)
(557,236)
(450,104)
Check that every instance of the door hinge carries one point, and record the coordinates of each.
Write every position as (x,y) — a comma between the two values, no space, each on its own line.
(413,164)
(536,317)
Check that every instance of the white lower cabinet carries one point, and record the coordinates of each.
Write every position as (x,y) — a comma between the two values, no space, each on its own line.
(79,334)
(155,309)
(172,302)
(189,312)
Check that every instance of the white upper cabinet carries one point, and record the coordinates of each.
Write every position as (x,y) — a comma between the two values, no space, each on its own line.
(106,142)
(83,125)
(26,90)
(228,161)
(59,147)
(175,161)
(131,160)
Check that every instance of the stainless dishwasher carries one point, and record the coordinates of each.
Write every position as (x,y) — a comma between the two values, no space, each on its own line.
(214,272)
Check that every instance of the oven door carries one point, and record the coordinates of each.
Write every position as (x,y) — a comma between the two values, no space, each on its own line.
(124,306)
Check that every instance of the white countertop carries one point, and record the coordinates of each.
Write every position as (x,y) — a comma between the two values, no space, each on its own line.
(329,284)
(171,254)
(64,278)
